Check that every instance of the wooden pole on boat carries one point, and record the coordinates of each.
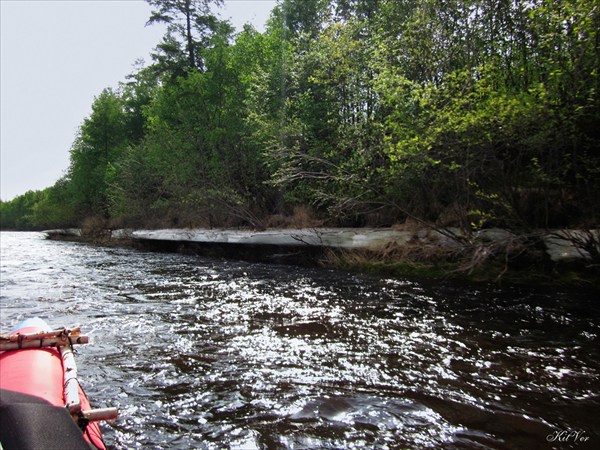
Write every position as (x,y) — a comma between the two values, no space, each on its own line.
(42,342)
(41,339)
(15,337)
(71,389)
(71,384)
(94,415)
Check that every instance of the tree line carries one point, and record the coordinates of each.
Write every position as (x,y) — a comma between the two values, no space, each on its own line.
(469,113)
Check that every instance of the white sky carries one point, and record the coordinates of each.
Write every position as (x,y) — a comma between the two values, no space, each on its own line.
(55,57)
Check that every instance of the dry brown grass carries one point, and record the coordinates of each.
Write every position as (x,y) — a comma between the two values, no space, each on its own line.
(301,217)
(412,252)
(93,225)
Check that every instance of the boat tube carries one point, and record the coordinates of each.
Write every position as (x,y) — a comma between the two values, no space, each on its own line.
(42,405)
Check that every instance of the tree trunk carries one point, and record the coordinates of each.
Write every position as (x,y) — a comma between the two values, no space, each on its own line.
(190,40)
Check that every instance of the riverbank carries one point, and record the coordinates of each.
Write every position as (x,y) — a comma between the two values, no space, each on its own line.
(559,257)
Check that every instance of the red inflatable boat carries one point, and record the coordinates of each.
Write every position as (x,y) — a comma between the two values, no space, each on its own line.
(42,405)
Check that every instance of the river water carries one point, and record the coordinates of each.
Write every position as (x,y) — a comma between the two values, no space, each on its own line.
(210,353)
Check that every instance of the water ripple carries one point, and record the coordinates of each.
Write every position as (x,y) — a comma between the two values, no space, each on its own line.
(204,353)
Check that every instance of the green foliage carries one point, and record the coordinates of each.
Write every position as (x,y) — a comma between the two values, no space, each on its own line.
(489,122)
(37,210)
(190,25)
(464,113)
(102,140)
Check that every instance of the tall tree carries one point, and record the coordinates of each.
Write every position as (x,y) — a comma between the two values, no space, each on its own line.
(189,22)
(101,141)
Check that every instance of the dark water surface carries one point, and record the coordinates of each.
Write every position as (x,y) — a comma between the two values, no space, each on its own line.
(208,353)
